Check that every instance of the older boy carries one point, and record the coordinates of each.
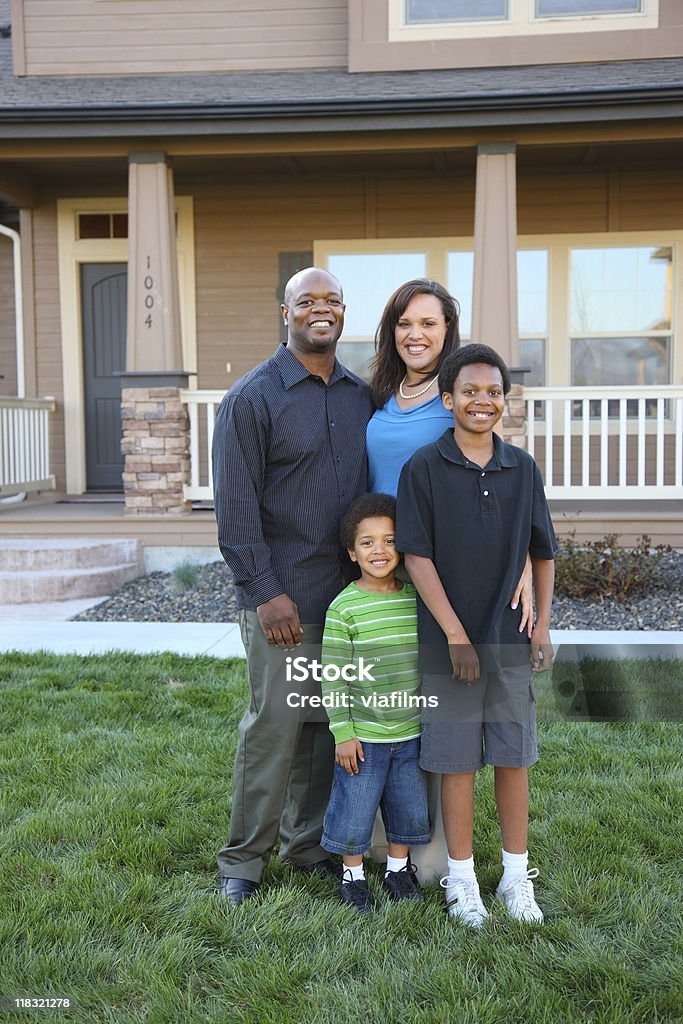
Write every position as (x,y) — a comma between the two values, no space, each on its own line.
(470,507)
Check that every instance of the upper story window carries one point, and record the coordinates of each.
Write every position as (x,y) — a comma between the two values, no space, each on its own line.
(420,11)
(455,19)
(578,8)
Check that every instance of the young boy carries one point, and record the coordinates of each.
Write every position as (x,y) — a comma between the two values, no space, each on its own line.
(371,691)
(469,509)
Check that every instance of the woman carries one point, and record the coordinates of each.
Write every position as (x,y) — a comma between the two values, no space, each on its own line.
(417,330)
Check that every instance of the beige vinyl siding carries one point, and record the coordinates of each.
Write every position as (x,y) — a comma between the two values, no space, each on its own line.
(8,352)
(651,200)
(419,206)
(239,232)
(110,37)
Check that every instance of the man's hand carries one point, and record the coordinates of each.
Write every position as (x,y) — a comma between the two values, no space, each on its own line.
(348,754)
(524,592)
(541,649)
(465,662)
(279,620)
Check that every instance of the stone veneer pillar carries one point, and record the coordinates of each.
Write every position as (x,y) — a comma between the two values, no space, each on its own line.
(514,421)
(156,444)
(514,418)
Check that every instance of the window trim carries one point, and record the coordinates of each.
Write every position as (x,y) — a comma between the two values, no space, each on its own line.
(521,21)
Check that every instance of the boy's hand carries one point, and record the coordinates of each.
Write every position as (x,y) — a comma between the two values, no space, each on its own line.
(465,662)
(348,754)
(541,649)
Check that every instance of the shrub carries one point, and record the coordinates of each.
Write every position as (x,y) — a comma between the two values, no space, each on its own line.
(186,575)
(600,568)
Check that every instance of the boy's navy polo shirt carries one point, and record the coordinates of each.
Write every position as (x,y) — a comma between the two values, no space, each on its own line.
(477,526)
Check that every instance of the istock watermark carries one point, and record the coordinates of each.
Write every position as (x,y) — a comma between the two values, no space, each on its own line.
(299,670)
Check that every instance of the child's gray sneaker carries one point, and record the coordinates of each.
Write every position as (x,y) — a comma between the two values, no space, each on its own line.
(518,898)
(463,901)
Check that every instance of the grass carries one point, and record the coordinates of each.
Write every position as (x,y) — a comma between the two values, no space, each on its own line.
(114,793)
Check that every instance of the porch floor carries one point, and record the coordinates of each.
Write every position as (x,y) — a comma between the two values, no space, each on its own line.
(103,516)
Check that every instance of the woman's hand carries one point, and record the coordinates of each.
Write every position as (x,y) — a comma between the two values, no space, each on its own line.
(348,754)
(525,593)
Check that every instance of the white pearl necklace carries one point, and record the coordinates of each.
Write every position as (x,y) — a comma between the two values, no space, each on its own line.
(417,394)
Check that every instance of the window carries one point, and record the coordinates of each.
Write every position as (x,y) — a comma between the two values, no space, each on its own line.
(102,225)
(421,11)
(368,280)
(412,20)
(620,316)
(591,312)
(577,8)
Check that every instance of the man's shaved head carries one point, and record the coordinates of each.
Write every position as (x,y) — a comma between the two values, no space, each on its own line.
(297,281)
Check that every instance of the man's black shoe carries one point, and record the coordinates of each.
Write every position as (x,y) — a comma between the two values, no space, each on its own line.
(237,890)
(357,895)
(402,885)
(327,868)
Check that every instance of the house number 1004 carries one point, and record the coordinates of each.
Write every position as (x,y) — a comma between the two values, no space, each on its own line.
(149,298)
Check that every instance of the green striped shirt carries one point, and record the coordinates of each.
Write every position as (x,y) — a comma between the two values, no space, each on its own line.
(372,638)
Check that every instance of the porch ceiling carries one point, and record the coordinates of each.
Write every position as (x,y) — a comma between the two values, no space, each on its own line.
(77,174)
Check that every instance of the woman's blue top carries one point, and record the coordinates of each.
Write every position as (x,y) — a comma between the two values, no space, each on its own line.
(394,434)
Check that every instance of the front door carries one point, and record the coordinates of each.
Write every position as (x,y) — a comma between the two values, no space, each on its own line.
(103,298)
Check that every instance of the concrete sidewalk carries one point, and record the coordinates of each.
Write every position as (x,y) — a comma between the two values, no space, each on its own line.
(222,639)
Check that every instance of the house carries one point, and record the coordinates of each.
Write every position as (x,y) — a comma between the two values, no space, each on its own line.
(165,167)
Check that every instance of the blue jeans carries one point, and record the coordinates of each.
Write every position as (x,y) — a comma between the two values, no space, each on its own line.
(390,778)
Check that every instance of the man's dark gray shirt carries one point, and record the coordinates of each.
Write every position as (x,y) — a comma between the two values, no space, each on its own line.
(288,459)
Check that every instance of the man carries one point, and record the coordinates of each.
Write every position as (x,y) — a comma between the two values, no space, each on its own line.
(288,460)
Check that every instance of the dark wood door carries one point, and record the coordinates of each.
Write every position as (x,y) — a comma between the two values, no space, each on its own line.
(103,298)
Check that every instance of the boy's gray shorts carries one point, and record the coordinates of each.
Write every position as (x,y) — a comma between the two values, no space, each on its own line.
(493,721)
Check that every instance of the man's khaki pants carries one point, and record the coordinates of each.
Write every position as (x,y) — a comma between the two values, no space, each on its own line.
(284,761)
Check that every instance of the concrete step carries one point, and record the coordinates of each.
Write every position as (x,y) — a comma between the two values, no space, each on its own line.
(38,570)
(29,554)
(64,585)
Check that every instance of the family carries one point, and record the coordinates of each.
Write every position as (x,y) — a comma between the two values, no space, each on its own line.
(321,484)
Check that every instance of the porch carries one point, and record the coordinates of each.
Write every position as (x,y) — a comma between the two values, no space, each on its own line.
(612,459)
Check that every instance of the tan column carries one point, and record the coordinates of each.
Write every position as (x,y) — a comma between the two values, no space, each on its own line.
(494,300)
(153,342)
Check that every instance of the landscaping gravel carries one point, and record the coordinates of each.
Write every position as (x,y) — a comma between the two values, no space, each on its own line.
(160,597)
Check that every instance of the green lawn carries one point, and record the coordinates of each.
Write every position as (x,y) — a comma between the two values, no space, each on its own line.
(114,793)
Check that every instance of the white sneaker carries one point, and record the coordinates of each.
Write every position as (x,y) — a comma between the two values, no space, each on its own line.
(518,898)
(463,901)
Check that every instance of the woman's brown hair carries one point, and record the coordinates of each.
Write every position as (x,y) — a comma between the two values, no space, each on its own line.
(388,369)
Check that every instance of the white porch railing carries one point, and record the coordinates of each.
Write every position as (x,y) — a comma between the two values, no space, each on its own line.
(608,442)
(201,407)
(25,445)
